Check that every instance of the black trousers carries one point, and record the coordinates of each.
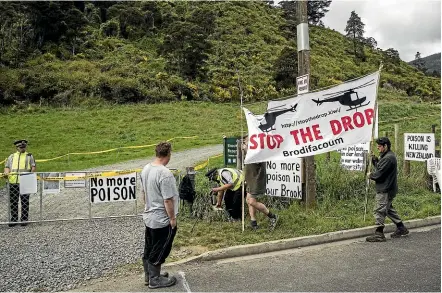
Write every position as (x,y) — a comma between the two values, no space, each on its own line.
(14,197)
(233,202)
(157,244)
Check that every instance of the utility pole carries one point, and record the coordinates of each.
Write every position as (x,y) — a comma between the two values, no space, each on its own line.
(303,69)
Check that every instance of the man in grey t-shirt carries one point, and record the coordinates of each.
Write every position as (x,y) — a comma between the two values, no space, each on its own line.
(161,208)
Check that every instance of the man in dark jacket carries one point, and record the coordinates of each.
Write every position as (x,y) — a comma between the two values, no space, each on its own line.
(385,176)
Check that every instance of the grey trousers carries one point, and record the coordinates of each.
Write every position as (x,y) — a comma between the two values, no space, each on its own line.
(384,208)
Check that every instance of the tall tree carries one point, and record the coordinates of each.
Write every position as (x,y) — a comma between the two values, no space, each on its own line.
(289,14)
(16,33)
(315,11)
(355,31)
(419,62)
(186,42)
(391,56)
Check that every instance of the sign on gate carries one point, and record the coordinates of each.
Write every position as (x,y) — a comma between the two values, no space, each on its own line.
(230,150)
(50,186)
(419,146)
(352,157)
(283,178)
(28,183)
(75,183)
(115,188)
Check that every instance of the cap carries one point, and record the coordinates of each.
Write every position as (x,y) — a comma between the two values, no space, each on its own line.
(211,173)
(383,141)
(21,143)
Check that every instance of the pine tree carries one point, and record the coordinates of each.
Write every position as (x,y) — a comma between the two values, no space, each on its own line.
(355,31)
(419,63)
(289,13)
(315,11)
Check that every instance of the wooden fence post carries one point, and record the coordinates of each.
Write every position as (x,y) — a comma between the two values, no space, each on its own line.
(437,143)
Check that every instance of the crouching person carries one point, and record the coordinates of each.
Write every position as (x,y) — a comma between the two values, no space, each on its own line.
(230,183)
(161,208)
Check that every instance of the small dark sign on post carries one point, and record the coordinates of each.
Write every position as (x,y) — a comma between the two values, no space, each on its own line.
(230,150)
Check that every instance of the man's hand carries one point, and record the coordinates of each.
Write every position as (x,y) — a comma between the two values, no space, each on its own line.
(173,223)
(374,159)
(215,189)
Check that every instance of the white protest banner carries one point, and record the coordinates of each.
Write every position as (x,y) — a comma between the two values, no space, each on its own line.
(419,146)
(75,183)
(302,84)
(283,178)
(352,157)
(115,188)
(314,123)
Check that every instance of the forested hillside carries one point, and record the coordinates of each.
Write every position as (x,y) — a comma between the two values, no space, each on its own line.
(430,64)
(57,53)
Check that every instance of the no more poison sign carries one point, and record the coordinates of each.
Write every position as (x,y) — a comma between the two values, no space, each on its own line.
(116,188)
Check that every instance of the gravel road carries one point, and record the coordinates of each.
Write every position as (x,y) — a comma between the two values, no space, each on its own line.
(58,256)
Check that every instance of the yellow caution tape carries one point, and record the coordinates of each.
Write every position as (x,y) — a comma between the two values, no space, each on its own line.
(93,153)
(184,137)
(107,151)
(46,160)
(138,146)
(202,165)
(87,176)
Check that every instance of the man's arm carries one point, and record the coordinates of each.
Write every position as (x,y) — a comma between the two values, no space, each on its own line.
(222,188)
(382,168)
(7,168)
(33,165)
(170,210)
(143,197)
(169,192)
(219,198)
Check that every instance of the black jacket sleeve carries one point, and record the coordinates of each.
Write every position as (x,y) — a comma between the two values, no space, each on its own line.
(383,166)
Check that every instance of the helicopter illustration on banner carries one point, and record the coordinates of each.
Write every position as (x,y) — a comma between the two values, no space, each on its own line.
(268,121)
(348,97)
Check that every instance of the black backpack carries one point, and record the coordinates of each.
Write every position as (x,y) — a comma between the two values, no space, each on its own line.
(187,192)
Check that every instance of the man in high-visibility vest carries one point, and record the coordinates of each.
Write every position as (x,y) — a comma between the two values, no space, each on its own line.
(18,162)
(230,181)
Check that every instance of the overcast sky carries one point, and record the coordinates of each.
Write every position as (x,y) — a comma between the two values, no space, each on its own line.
(408,26)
